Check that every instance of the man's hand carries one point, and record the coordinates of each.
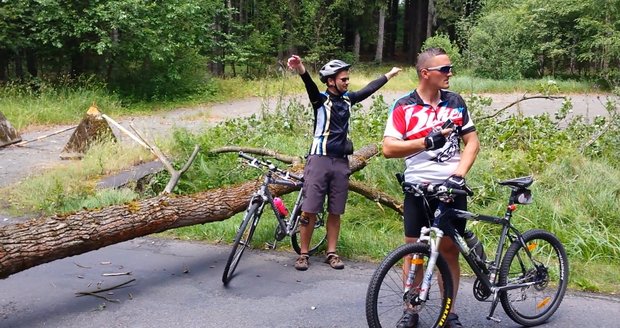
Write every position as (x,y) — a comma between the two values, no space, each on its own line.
(393,72)
(434,140)
(295,63)
(454,182)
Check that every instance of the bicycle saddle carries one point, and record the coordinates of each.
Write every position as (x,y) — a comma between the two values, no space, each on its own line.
(522,182)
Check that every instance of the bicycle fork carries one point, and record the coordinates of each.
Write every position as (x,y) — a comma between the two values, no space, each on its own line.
(433,237)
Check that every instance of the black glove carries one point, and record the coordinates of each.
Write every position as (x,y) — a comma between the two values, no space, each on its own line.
(454,182)
(434,140)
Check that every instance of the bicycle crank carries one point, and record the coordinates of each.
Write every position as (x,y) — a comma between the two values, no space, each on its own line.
(481,292)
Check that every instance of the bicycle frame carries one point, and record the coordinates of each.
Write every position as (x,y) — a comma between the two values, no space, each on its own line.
(263,194)
(486,275)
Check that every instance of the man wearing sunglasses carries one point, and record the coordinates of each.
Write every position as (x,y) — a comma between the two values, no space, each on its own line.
(426,128)
(327,167)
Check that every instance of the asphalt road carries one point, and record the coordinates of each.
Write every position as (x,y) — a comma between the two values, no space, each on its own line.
(178,284)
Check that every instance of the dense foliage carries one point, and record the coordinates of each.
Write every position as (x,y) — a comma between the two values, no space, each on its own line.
(527,38)
(148,49)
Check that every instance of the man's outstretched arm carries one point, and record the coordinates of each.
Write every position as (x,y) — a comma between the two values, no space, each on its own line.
(373,86)
(314,94)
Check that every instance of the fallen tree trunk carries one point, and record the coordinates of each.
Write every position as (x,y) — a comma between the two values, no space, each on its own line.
(46,239)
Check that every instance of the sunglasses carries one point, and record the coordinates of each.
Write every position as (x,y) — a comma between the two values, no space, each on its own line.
(344,79)
(442,69)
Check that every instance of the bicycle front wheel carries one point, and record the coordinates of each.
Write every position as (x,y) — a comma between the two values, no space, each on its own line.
(386,299)
(242,241)
(318,236)
(542,265)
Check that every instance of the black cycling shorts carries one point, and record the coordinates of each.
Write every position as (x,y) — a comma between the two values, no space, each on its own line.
(415,217)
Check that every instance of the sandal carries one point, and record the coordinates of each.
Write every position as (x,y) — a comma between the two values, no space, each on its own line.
(303,262)
(334,261)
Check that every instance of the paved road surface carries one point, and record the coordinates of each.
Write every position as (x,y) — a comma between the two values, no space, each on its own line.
(266,292)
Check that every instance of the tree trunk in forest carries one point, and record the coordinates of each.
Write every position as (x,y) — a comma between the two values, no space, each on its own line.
(380,36)
(19,68)
(431,20)
(419,29)
(408,29)
(4,65)
(31,63)
(42,240)
(391,32)
(356,44)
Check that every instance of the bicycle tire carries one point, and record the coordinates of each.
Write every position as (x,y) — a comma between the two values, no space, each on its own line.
(533,305)
(385,298)
(318,236)
(242,241)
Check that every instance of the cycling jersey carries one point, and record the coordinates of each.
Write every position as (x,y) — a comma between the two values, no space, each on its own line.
(410,118)
(331,115)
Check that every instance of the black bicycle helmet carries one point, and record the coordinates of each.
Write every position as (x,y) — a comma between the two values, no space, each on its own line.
(332,68)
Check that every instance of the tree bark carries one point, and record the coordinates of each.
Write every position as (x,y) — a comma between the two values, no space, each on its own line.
(419,31)
(408,30)
(4,65)
(380,36)
(45,239)
(356,44)
(392,30)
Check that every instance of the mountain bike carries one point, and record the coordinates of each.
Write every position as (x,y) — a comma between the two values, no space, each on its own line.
(285,226)
(529,278)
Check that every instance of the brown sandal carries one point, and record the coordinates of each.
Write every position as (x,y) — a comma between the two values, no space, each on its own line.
(303,262)
(334,261)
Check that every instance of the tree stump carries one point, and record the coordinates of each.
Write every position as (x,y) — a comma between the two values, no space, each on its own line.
(92,128)
(8,134)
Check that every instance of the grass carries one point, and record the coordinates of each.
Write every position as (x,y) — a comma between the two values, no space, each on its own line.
(71,187)
(49,105)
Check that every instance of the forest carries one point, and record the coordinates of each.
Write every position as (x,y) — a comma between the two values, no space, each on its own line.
(152,49)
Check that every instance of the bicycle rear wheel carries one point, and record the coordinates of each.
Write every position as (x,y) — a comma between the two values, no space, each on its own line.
(386,299)
(547,270)
(318,236)
(242,241)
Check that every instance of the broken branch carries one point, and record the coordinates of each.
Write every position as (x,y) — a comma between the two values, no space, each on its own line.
(524,98)
(259,151)
(21,144)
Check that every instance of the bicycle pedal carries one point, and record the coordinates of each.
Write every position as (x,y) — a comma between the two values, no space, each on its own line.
(270,245)
(494,319)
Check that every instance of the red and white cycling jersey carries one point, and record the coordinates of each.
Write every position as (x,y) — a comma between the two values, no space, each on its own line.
(410,118)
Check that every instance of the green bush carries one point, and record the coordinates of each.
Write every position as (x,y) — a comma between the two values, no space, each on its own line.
(443,41)
(498,48)
(163,79)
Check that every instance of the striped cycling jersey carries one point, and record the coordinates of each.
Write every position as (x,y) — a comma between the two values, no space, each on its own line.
(410,118)
(332,113)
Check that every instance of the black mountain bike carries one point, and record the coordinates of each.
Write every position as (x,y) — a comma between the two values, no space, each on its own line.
(529,278)
(285,227)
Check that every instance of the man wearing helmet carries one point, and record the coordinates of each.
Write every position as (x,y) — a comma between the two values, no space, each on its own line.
(327,167)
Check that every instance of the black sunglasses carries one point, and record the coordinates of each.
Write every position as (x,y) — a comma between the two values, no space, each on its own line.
(443,69)
(344,79)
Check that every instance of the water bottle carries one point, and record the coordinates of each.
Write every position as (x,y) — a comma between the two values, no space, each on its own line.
(475,245)
(280,206)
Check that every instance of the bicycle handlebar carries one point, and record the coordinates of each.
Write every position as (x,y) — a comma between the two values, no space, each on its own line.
(435,190)
(257,162)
